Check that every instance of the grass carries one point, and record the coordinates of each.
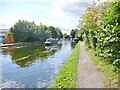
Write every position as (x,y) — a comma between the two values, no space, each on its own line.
(68,74)
(106,68)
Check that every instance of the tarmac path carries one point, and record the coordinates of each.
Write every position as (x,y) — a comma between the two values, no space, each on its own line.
(87,75)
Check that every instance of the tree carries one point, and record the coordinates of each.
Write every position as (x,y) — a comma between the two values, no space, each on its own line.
(53,31)
(66,36)
(80,34)
(24,31)
(101,25)
(59,33)
(73,32)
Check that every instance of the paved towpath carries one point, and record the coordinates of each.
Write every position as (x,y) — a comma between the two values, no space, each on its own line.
(88,75)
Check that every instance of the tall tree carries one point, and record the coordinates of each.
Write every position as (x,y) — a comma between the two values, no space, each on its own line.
(25,31)
(73,32)
(101,25)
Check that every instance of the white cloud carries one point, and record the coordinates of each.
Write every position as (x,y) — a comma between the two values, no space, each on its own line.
(53,0)
(36,6)
(56,9)
(65,13)
(60,9)
(69,11)
(25,1)
(69,8)
(7,22)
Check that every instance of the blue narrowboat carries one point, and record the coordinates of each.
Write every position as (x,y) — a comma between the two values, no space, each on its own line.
(2,36)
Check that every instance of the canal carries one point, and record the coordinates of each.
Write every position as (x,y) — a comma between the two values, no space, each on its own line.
(34,66)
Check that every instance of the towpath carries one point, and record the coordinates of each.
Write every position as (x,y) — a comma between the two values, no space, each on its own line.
(87,75)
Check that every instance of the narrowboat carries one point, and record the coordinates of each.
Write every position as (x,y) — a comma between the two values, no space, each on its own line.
(2,36)
(75,40)
(51,41)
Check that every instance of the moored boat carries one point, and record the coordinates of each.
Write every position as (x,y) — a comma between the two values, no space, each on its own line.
(75,40)
(51,41)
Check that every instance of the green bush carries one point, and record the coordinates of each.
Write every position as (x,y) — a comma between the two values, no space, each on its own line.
(68,74)
(101,24)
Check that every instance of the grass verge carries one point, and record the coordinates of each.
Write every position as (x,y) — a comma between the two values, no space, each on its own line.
(68,74)
(109,75)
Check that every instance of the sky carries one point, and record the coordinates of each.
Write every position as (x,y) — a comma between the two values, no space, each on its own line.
(64,14)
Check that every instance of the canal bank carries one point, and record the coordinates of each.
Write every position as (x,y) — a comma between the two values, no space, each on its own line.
(20,44)
(67,75)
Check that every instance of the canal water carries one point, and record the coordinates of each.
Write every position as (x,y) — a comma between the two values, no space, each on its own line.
(34,66)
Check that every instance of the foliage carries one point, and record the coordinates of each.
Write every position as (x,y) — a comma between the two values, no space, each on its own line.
(80,34)
(73,32)
(66,36)
(101,25)
(68,74)
(25,56)
(25,31)
(59,33)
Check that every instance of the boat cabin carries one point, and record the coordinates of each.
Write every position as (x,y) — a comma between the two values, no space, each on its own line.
(51,41)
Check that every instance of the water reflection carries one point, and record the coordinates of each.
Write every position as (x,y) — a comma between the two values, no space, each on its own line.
(54,47)
(25,56)
(34,66)
(73,44)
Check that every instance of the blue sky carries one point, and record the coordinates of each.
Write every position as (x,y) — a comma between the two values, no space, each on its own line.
(64,14)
